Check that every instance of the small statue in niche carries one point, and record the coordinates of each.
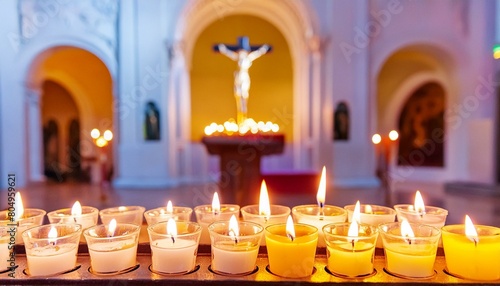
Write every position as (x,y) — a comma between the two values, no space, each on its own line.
(152,122)
(341,122)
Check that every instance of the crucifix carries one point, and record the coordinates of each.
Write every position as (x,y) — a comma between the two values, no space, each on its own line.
(244,54)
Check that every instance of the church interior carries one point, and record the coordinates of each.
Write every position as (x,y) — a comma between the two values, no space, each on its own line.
(128,102)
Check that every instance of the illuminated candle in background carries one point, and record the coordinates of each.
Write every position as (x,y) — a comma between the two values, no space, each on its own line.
(86,216)
(410,249)
(321,214)
(174,246)
(350,247)
(112,247)
(123,214)
(420,213)
(291,249)
(206,214)
(472,252)
(170,211)
(235,246)
(51,249)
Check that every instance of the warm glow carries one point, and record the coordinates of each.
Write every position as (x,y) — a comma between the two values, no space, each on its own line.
(406,231)
(249,125)
(52,235)
(172,228)
(19,211)
(108,135)
(393,135)
(470,230)
(216,204)
(95,133)
(376,139)
(320,196)
(234,229)
(112,227)
(101,142)
(368,209)
(170,207)
(76,210)
(353,229)
(419,204)
(264,205)
(290,228)
(356,215)
(122,208)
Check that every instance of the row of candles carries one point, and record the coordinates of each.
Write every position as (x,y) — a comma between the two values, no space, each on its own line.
(410,244)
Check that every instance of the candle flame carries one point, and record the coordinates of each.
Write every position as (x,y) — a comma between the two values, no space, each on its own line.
(52,235)
(172,229)
(170,208)
(112,228)
(264,205)
(320,196)
(19,211)
(353,231)
(234,229)
(76,210)
(368,209)
(406,231)
(419,204)
(122,208)
(356,215)
(216,204)
(290,228)
(470,230)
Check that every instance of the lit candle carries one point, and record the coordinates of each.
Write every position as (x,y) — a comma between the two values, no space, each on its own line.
(123,214)
(21,217)
(472,252)
(291,249)
(164,213)
(86,216)
(235,246)
(51,249)
(350,248)
(206,214)
(319,215)
(174,245)
(410,249)
(265,214)
(113,247)
(420,213)
(372,215)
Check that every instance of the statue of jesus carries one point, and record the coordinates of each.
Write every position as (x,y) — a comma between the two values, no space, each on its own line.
(244,54)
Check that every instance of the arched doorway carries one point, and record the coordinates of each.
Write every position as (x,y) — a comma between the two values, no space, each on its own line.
(74,89)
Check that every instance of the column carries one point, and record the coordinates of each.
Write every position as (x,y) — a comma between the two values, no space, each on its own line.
(34,137)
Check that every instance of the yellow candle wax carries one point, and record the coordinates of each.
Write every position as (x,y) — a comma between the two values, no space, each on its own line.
(467,259)
(408,260)
(291,259)
(345,260)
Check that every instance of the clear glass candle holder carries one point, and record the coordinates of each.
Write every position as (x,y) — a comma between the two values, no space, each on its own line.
(350,256)
(235,255)
(467,259)
(408,257)
(205,216)
(157,215)
(31,218)
(174,255)
(291,258)
(123,214)
(112,254)
(433,216)
(311,215)
(6,247)
(51,249)
(279,214)
(87,219)
(373,215)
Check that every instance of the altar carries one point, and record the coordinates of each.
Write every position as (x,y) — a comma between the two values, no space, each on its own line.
(240,157)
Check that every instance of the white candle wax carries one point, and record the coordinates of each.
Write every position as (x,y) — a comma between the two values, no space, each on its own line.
(113,256)
(231,258)
(51,259)
(205,236)
(319,223)
(85,222)
(415,261)
(170,257)
(4,253)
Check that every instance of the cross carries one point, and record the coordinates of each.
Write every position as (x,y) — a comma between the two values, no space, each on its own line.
(243,44)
